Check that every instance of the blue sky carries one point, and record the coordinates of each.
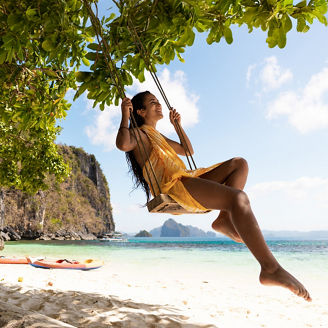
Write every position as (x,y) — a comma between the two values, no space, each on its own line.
(269,106)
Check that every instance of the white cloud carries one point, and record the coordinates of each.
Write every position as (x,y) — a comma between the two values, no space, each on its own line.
(175,88)
(300,204)
(250,69)
(104,129)
(273,76)
(300,189)
(270,75)
(305,109)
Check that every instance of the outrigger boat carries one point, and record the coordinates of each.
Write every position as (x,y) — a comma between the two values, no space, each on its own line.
(13,260)
(88,264)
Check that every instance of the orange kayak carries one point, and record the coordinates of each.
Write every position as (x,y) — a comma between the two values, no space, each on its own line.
(88,264)
(13,260)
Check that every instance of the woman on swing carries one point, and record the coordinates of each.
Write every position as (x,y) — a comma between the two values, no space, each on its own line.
(218,187)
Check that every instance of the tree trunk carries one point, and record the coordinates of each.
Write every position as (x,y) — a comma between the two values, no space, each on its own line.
(2,216)
(42,210)
(2,208)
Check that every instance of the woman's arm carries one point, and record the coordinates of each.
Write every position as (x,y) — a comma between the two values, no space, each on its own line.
(174,115)
(125,140)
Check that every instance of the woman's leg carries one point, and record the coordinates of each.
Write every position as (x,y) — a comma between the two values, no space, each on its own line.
(216,196)
(232,173)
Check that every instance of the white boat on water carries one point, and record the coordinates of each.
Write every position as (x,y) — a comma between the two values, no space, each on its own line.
(114,237)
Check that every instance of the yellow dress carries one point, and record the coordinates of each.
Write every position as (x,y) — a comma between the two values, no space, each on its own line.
(169,169)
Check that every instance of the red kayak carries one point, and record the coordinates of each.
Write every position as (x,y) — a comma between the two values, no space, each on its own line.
(66,264)
(13,260)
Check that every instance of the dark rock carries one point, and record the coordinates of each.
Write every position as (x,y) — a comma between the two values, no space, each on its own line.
(12,233)
(59,238)
(30,234)
(4,236)
(44,237)
(74,235)
(87,236)
(143,233)
(2,244)
(171,228)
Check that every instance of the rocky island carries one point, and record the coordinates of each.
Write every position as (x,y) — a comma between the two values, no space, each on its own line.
(171,228)
(143,233)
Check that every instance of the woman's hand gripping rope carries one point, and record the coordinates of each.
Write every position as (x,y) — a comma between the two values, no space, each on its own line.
(126,107)
(174,116)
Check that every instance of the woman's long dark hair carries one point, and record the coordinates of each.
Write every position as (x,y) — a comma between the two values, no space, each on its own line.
(134,167)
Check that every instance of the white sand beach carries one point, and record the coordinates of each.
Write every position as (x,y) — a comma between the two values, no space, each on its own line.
(129,295)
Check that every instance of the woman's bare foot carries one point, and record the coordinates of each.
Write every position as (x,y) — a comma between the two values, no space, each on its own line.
(280,277)
(224,225)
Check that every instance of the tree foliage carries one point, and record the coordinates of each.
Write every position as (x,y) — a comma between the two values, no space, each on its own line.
(43,43)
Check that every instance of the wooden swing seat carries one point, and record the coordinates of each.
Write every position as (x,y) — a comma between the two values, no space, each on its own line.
(163,203)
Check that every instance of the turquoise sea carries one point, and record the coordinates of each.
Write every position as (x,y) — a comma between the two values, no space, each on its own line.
(308,256)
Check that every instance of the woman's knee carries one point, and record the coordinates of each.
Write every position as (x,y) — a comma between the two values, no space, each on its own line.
(240,163)
(240,200)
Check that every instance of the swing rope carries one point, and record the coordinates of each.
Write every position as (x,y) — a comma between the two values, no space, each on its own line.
(120,87)
(145,55)
(118,83)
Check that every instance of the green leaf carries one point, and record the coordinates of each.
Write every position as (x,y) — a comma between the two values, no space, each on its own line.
(180,57)
(228,35)
(91,56)
(85,61)
(10,55)
(90,31)
(301,4)
(111,17)
(82,76)
(31,13)
(191,37)
(287,23)
(47,45)
(322,8)
(141,76)
(94,46)
(51,73)
(13,19)
(272,42)
(288,3)
(300,24)
(3,56)
(282,39)
(200,27)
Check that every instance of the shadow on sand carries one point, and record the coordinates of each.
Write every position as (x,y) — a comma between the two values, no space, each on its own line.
(80,309)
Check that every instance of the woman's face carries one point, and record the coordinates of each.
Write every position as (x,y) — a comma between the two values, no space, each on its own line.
(152,110)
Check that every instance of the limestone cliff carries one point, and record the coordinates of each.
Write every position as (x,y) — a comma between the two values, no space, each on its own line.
(80,205)
(171,228)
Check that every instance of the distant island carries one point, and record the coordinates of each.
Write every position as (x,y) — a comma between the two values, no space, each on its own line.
(171,228)
(143,233)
